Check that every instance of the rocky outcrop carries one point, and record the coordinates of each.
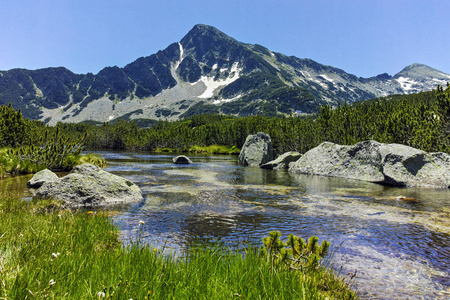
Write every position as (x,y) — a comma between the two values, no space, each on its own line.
(182,160)
(88,185)
(257,150)
(40,178)
(282,161)
(390,164)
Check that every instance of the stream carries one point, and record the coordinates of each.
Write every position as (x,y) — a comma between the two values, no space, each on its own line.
(398,249)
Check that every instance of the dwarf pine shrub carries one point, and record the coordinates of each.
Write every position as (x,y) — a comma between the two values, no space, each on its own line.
(296,253)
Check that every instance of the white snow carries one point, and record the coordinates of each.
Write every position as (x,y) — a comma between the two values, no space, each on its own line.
(214,67)
(227,100)
(327,78)
(181,56)
(325,86)
(406,83)
(440,81)
(212,85)
(443,75)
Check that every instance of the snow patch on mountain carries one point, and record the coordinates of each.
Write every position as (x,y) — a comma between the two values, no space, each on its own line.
(212,85)
(327,78)
(407,83)
(227,100)
(181,56)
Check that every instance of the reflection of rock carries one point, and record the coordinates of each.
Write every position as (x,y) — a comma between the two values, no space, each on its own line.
(282,161)
(391,164)
(88,185)
(182,160)
(40,178)
(257,150)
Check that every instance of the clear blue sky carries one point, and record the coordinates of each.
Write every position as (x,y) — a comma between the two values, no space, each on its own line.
(361,37)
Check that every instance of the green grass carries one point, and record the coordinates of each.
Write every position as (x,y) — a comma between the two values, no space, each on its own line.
(213,149)
(13,165)
(49,253)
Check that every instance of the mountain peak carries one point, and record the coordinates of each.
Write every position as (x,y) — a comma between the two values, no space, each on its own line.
(201,33)
(206,72)
(421,70)
(204,29)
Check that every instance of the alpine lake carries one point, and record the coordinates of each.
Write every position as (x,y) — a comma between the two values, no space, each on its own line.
(393,249)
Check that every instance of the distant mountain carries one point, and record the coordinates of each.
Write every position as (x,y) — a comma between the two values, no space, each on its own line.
(206,72)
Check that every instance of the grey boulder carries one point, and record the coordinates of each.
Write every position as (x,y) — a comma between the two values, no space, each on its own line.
(88,185)
(182,160)
(391,164)
(282,161)
(257,150)
(40,178)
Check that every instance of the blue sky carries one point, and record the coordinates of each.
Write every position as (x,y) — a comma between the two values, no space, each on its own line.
(361,37)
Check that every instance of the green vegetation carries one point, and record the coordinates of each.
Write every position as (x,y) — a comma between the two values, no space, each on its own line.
(419,120)
(50,253)
(30,146)
(213,149)
(295,253)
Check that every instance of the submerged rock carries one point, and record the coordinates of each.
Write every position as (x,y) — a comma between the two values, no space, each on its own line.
(182,160)
(391,164)
(88,185)
(404,198)
(282,161)
(257,150)
(40,178)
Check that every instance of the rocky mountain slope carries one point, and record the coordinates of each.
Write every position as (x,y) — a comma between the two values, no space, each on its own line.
(206,72)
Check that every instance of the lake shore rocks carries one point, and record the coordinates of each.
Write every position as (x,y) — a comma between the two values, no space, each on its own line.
(282,161)
(88,185)
(390,164)
(257,150)
(182,160)
(40,178)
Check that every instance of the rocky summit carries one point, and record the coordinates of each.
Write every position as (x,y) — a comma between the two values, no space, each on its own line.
(205,72)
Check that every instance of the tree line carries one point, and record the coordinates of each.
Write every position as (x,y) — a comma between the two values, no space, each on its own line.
(419,120)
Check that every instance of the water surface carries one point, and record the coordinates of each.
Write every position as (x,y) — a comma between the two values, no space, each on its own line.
(398,249)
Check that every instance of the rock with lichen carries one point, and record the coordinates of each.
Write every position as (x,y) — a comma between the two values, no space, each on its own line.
(88,185)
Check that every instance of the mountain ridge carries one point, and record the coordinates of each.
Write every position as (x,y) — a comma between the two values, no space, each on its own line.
(207,71)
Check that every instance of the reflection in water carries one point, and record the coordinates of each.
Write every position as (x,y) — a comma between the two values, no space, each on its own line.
(15,186)
(399,249)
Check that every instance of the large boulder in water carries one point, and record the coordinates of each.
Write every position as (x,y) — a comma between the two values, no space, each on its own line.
(88,185)
(257,150)
(282,161)
(40,178)
(391,164)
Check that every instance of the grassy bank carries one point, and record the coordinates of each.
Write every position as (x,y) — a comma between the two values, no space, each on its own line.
(213,149)
(13,164)
(59,254)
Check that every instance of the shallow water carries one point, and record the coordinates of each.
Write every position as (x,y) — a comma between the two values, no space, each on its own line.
(398,249)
